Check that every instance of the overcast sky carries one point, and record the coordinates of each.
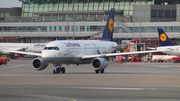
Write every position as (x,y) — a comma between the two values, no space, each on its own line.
(10,3)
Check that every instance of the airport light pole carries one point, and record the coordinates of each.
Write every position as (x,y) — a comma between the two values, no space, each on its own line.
(67,24)
(73,25)
(133,26)
(140,23)
(73,21)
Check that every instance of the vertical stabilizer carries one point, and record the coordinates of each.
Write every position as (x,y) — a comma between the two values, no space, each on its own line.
(163,38)
(108,31)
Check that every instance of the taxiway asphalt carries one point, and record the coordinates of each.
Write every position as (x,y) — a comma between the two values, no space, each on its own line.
(120,82)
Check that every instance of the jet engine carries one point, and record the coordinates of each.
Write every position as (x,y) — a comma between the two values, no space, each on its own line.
(100,63)
(39,64)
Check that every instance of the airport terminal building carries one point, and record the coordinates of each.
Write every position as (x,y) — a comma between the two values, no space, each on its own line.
(48,20)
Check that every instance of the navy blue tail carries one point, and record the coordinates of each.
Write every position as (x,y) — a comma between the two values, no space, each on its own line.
(163,38)
(108,31)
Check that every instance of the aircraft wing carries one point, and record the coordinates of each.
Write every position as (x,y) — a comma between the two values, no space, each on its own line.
(22,52)
(122,53)
(128,45)
(22,49)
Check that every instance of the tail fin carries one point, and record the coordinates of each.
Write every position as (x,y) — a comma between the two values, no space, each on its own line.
(108,31)
(163,38)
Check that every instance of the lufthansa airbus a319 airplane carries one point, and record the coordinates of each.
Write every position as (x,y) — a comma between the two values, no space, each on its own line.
(95,52)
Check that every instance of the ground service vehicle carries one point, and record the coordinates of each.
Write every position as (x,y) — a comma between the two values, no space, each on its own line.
(120,58)
(135,59)
(162,58)
(7,57)
(3,61)
(176,59)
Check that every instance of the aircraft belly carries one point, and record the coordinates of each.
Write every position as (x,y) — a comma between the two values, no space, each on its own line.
(67,60)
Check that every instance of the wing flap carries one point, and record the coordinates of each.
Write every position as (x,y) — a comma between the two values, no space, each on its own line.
(124,53)
(22,52)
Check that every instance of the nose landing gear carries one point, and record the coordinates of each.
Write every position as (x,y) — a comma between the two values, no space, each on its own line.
(58,69)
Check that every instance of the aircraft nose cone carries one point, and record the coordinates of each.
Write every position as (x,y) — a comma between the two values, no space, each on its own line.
(47,55)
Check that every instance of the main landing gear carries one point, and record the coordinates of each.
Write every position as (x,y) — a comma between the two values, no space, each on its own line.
(97,71)
(58,69)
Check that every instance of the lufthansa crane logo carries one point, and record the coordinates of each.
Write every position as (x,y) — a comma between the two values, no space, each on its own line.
(111,24)
(163,37)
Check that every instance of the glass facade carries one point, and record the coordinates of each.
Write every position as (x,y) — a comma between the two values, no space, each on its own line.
(83,29)
(163,13)
(169,2)
(59,18)
(30,6)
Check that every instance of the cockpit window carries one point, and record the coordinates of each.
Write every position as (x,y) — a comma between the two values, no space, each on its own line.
(45,48)
(56,48)
(51,48)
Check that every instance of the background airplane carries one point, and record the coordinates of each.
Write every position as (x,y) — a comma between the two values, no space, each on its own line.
(96,52)
(32,47)
(166,44)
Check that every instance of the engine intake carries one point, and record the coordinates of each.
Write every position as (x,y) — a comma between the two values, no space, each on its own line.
(39,64)
(99,63)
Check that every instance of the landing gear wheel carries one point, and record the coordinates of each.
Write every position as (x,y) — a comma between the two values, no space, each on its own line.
(57,70)
(54,71)
(102,71)
(96,71)
(63,70)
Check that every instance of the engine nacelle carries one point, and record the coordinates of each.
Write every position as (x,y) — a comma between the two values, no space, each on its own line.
(39,64)
(99,63)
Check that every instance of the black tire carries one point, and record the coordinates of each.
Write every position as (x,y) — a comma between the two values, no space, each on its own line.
(96,71)
(102,71)
(57,71)
(0,63)
(63,70)
(54,71)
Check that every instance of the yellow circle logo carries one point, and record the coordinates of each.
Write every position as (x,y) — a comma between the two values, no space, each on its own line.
(163,37)
(111,24)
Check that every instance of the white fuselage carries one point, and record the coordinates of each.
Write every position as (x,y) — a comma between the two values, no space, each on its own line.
(70,52)
(33,47)
(174,50)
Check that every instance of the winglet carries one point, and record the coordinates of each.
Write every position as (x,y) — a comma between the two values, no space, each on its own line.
(108,31)
(163,38)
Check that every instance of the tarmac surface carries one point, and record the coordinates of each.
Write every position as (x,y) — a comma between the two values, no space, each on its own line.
(120,82)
